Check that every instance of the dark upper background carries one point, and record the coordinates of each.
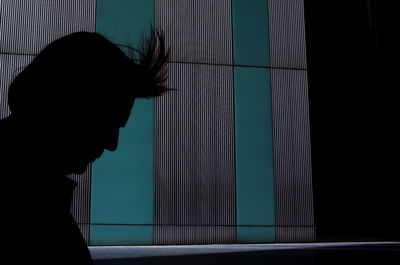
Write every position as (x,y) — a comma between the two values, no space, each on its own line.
(352,84)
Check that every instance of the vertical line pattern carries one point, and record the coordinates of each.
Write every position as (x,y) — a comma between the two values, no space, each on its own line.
(194,158)
(292,159)
(293,187)
(197,31)
(10,67)
(234,119)
(194,127)
(287,33)
(1,16)
(80,206)
(26,27)
(194,165)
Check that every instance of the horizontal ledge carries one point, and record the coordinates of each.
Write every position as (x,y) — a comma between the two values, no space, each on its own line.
(240,65)
(141,251)
(200,225)
(193,63)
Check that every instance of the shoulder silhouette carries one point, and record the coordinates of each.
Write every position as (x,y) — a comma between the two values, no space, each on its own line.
(66,107)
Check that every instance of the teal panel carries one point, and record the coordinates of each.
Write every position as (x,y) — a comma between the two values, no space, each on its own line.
(255,234)
(122,181)
(254,147)
(124,21)
(250,32)
(121,235)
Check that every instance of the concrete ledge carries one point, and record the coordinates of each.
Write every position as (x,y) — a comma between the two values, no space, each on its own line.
(131,252)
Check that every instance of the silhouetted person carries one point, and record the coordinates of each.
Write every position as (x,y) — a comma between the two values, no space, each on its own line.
(66,107)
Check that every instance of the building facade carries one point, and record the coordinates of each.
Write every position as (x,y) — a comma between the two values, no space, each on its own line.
(223,159)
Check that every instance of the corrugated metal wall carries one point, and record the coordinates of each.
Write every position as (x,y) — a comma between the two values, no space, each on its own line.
(10,66)
(292,144)
(27,26)
(194,131)
(194,144)
(192,29)
(287,34)
(292,163)
(197,31)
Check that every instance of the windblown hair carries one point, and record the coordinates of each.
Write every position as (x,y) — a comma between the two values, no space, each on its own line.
(84,70)
(152,57)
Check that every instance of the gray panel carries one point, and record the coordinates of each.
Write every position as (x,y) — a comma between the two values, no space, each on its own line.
(292,157)
(287,34)
(177,235)
(10,67)
(197,31)
(80,208)
(27,26)
(194,157)
(293,234)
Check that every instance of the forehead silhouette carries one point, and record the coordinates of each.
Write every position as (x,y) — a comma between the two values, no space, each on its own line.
(85,76)
(78,72)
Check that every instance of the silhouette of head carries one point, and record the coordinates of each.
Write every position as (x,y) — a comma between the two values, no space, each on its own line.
(74,96)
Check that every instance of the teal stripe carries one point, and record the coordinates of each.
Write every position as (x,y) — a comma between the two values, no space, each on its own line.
(124,20)
(254,154)
(122,181)
(255,234)
(250,32)
(120,235)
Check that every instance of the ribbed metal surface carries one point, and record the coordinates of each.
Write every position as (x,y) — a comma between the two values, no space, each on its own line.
(292,234)
(197,31)
(80,207)
(176,235)
(194,157)
(27,26)
(10,67)
(292,159)
(287,33)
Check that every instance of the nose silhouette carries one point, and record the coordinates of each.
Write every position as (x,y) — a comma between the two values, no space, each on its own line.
(112,140)
(78,89)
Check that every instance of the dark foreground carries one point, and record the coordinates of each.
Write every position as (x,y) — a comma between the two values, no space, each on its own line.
(273,254)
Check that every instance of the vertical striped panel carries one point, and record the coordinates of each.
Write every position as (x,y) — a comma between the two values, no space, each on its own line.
(287,33)
(120,235)
(292,158)
(194,133)
(254,155)
(10,67)
(194,157)
(197,31)
(122,181)
(27,26)
(250,32)
(1,4)
(80,206)
(194,234)
(293,180)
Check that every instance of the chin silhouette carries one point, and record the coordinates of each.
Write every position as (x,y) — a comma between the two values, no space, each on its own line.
(67,107)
